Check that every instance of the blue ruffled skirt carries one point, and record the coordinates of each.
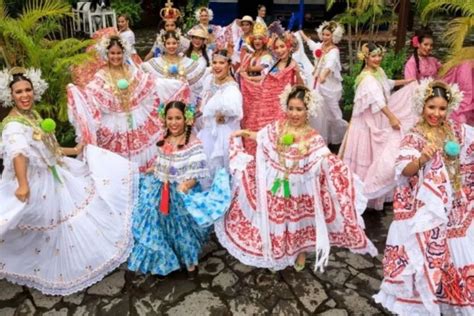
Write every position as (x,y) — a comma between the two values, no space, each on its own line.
(164,243)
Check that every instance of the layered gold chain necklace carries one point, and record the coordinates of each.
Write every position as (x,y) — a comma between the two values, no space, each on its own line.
(286,138)
(439,137)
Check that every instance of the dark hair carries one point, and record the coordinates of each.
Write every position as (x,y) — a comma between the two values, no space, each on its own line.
(439,89)
(203,49)
(260,6)
(168,35)
(19,77)
(115,41)
(331,26)
(298,92)
(188,128)
(163,23)
(422,34)
(371,47)
(225,53)
(125,16)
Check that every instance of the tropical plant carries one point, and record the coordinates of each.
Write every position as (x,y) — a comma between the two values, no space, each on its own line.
(363,16)
(27,41)
(131,8)
(191,6)
(456,30)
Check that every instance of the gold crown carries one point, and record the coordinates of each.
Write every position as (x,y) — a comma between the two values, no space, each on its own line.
(169,13)
(259,29)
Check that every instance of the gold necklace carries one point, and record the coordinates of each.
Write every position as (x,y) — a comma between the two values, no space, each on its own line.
(438,136)
(122,94)
(33,120)
(282,149)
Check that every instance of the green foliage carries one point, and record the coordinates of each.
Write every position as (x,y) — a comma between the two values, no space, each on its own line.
(189,18)
(457,30)
(131,8)
(393,64)
(27,42)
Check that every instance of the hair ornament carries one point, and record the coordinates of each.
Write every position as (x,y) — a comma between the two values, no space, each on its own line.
(189,113)
(197,13)
(365,52)
(104,42)
(415,41)
(335,28)
(426,89)
(312,100)
(6,78)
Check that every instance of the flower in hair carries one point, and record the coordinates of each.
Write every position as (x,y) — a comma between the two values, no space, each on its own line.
(335,28)
(312,100)
(415,42)
(425,91)
(6,78)
(101,47)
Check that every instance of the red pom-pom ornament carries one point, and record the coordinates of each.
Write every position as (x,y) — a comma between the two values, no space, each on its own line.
(318,53)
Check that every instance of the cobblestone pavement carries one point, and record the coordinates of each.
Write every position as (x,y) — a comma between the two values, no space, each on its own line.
(224,287)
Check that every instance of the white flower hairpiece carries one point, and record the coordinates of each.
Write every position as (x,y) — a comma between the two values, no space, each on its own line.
(6,78)
(197,13)
(311,100)
(104,42)
(425,91)
(335,28)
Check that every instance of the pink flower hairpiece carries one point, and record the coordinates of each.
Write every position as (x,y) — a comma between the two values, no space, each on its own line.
(415,42)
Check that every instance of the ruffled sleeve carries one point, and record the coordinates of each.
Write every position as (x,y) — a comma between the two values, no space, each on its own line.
(410,149)
(228,103)
(333,63)
(467,151)
(410,68)
(15,143)
(369,95)
(313,45)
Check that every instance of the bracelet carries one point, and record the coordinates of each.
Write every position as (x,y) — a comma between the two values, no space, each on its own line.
(245,133)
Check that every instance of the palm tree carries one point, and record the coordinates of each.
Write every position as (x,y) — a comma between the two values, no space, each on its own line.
(457,29)
(28,41)
(360,13)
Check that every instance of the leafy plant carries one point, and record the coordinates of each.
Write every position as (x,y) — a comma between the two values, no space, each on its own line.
(392,63)
(28,41)
(457,29)
(131,8)
(189,18)
(364,17)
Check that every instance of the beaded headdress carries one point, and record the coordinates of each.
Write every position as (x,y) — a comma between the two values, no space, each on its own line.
(426,89)
(312,102)
(6,78)
(189,113)
(198,11)
(259,30)
(335,28)
(104,42)
(365,52)
(168,13)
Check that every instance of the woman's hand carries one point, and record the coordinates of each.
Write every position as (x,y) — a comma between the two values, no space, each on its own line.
(240,133)
(186,186)
(23,192)
(395,122)
(427,153)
